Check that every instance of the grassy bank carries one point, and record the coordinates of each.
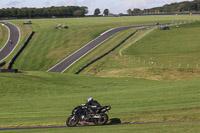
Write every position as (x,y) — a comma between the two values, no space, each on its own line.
(100,50)
(24,33)
(38,98)
(49,46)
(160,55)
(136,90)
(176,46)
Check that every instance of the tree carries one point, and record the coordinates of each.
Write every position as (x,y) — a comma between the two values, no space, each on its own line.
(13,12)
(97,12)
(185,6)
(106,12)
(84,10)
(129,11)
(137,11)
(78,13)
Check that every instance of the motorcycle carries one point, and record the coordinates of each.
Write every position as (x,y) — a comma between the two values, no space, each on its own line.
(82,114)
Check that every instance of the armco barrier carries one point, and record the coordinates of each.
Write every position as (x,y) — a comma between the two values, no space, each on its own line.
(20,50)
(8,70)
(2,64)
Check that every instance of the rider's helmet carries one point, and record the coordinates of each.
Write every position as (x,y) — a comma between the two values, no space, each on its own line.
(90,99)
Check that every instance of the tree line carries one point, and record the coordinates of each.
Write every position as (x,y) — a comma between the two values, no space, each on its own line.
(63,11)
(76,11)
(97,11)
(185,6)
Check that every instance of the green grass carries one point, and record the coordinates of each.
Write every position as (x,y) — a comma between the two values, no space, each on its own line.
(3,35)
(176,46)
(100,50)
(186,127)
(50,46)
(38,98)
(174,53)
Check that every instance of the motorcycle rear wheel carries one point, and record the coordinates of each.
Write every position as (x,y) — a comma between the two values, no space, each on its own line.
(102,121)
(72,121)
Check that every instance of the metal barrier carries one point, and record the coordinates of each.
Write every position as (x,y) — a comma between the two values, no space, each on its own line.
(20,50)
(98,58)
(2,64)
(8,70)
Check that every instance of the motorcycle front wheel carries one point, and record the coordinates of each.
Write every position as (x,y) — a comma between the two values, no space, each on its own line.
(101,121)
(72,121)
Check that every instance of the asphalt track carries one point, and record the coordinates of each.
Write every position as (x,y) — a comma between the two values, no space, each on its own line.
(70,60)
(53,127)
(14,36)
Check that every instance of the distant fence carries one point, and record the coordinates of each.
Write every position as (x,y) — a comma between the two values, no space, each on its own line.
(20,50)
(149,27)
(161,13)
(150,62)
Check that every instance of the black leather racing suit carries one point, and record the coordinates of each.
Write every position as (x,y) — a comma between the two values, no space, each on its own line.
(93,106)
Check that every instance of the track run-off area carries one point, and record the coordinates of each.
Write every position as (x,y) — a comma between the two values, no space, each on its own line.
(52,127)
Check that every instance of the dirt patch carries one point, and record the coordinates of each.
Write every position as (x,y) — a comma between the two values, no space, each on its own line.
(168,74)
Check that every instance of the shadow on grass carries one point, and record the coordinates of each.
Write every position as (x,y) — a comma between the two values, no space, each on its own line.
(115,121)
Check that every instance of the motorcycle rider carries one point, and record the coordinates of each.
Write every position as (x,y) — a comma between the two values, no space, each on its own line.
(10,41)
(92,105)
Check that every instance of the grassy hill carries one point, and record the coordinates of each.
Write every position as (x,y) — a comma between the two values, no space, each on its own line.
(161,55)
(25,31)
(49,46)
(175,46)
(35,98)
(39,98)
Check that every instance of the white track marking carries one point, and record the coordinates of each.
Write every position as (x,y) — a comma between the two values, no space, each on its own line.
(77,51)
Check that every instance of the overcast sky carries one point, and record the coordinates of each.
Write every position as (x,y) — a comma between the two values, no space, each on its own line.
(115,6)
